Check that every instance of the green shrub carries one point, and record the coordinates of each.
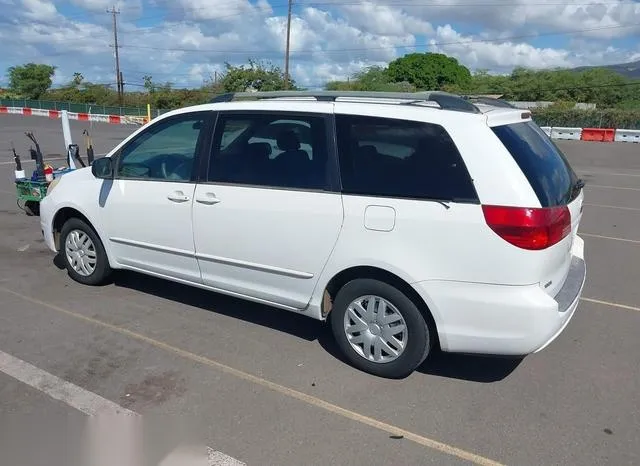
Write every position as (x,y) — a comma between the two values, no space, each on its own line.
(604,118)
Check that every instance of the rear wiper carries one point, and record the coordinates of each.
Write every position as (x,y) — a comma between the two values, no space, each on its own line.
(577,186)
(445,204)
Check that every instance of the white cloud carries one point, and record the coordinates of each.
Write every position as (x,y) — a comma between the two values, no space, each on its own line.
(325,44)
(101,6)
(225,10)
(496,56)
(620,17)
(39,10)
(201,72)
(385,20)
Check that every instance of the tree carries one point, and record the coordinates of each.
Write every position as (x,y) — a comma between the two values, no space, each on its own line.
(30,80)
(149,84)
(77,79)
(373,78)
(258,76)
(429,71)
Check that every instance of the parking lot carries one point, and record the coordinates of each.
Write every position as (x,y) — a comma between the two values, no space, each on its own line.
(266,387)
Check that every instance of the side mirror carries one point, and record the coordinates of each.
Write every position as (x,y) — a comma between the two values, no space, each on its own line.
(102,168)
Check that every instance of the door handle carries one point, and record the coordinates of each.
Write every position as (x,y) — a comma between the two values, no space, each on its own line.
(177,196)
(208,199)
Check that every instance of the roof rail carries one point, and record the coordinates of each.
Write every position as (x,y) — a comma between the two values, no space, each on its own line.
(444,100)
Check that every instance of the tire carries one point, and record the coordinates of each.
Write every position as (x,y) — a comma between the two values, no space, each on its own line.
(98,270)
(417,336)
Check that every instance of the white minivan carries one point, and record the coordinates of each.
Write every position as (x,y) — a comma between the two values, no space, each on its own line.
(405,220)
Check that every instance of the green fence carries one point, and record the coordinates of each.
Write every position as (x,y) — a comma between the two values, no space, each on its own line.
(79,108)
(606,118)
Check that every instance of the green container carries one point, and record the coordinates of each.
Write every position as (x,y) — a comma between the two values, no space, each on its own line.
(31,190)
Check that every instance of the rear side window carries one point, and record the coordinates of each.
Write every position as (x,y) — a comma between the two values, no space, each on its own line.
(278,149)
(398,158)
(541,161)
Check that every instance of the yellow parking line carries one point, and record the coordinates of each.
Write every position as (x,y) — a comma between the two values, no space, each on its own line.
(610,187)
(613,207)
(608,303)
(289,392)
(613,238)
(608,174)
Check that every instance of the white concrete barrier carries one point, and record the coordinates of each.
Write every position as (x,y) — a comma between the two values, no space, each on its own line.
(546,129)
(112,119)
(627,135)
(99,118)
(573,134)
(132,120)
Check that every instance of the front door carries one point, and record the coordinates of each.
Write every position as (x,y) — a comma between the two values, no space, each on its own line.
(147,208)
(267,219)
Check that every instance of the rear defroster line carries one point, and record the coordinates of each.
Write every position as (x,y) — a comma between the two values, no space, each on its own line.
(289,392)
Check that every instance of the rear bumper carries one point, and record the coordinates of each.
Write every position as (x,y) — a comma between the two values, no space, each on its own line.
(568,297)
(503,320)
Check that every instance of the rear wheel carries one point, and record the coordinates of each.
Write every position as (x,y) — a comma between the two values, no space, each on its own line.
(379,329)
(83,253)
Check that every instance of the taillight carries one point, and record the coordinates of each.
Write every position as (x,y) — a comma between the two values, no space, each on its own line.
(529,228)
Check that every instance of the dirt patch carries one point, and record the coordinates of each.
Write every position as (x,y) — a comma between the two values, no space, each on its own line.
(93,373)
(154,390)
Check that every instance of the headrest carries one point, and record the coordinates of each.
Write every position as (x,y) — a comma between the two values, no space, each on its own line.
(288,140)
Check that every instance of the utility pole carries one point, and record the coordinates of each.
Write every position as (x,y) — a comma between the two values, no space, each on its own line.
(286,56)
(119,83)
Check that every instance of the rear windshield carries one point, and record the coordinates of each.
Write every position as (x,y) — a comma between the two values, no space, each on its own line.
(541,161)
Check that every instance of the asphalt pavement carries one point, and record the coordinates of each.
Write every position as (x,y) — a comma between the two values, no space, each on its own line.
(266,387)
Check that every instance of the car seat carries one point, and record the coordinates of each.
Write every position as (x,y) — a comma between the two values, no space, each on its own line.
(293,167)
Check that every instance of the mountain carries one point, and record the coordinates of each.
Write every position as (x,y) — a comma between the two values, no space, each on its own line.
(628,70)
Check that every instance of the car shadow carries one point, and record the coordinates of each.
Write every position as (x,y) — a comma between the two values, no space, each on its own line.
(469,367)
(276,319)
(483,369)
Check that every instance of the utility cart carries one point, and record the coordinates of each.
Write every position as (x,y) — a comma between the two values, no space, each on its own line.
(29,194)
(30,191)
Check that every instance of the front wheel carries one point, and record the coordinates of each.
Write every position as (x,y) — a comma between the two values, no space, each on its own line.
(83,253)
(379,329)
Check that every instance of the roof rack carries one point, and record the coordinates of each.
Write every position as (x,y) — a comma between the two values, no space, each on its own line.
(444,100)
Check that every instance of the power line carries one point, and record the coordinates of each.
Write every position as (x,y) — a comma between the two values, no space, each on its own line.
(120,81)
(402,3)
(505,91)
(471,4)
(427,44)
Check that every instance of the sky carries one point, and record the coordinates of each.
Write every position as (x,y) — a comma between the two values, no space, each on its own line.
(187,42)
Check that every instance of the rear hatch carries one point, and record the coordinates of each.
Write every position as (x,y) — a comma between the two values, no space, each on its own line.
(557,187)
